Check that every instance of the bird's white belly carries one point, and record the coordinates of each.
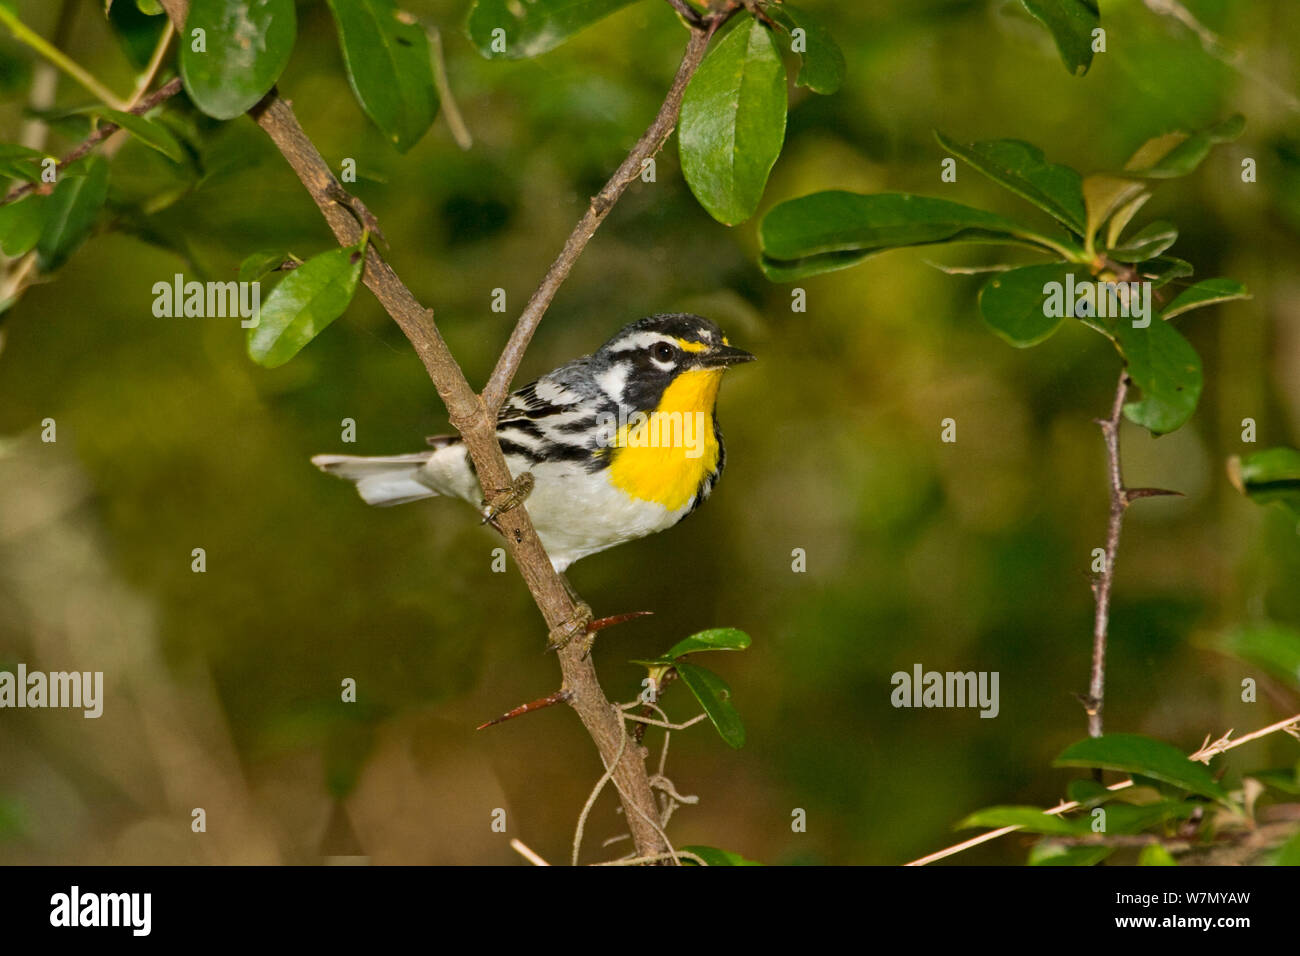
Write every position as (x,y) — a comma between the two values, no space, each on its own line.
(575,513)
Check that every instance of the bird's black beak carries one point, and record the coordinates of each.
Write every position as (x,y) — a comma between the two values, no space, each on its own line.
(724,355)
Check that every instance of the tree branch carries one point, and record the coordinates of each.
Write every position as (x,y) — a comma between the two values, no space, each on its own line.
(498,385)
(476,422)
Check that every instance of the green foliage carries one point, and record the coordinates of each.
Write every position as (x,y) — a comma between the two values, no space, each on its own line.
(21,223)
(822,61)
(1135,754)
(232,73)
(154,135)
(71,212)
(261,264)
(20,162)
(530,29)
(833,230)
(1030,819)
(1153,854)
(1273,647)
(1071,23)
(305,302)
(386,53)
(733,123)
(709,689)
(716,639)
(1271,476)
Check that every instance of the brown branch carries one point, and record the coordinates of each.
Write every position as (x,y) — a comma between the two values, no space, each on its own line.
(476,422)
(101,133)
(498,385)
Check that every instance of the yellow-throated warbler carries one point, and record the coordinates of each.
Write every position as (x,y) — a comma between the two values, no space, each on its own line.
(620,444)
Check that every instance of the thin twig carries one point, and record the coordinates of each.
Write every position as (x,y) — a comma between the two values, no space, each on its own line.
(527,853)
(498,385)
(101,133)
(29,37)
(450,111)
(1291,725)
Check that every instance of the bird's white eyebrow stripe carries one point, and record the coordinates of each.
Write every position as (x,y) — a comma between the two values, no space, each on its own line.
(641,340)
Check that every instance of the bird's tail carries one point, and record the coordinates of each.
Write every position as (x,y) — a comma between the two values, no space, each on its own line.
(391,480)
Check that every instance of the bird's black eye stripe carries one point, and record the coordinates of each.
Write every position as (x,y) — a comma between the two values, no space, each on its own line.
(663,351)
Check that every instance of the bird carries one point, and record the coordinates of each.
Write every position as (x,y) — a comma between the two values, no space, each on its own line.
(610,447)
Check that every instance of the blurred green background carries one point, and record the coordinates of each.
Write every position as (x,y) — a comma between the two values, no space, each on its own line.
(223,687)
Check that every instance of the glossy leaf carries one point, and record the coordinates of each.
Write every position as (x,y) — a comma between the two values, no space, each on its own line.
(1014,303)
(733,123)
(531,27)
(1177,154)
(305,302)
(71,212)
(822,61)
(715,697)
(154,135)
(1071,23)
(715,639)
(246,46)
(1163,270)
(715,857)
(1147,243)
(1133,753)
(1206,292)
(20,162)
(835,229)
(1086,792)
(1022,168)
(386,53)
(1166,368)
(1104,196)
(21,223)
(1030,819)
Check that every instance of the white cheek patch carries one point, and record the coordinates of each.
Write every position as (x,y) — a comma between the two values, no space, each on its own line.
(613,380)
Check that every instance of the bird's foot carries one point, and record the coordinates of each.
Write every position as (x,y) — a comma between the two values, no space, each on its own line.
(520,488)
(575,625)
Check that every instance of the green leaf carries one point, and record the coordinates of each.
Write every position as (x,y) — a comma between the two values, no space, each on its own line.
(531,27)
(1050,853)
(1105,195)
(1123,215)
(1085,792)
(21,223)
(835,229)
(1071,23)
(1030,819)
(261,264)
(1206,292)
(305,302)
(1126,818)
(150,8)
(733,123)
(152,134)
(20,162)
(1187,152)
(1153,854)
(1163,270)
(716,639)
(1022,168)
(715,697)
(71,212)
(1273,647)
(1133,753)
(1166,368)
(1147,243)
(1269,476)
(715,857)
(1014,303)
(387,57)
(246,47)
(822,69)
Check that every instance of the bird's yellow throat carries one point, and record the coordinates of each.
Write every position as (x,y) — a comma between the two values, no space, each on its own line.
(664,456)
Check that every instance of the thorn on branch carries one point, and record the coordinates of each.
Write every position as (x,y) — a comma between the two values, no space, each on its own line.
(1132,494)
(559,697)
